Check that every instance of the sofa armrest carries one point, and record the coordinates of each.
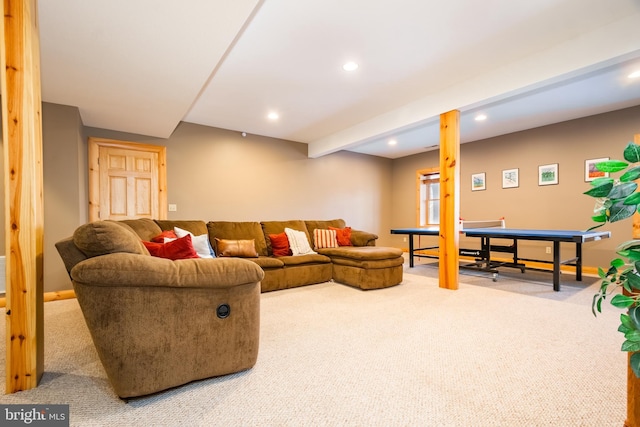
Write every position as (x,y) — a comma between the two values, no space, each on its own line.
(363,238)
(135,270)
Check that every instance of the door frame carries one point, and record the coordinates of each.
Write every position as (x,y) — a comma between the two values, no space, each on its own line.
(95,144)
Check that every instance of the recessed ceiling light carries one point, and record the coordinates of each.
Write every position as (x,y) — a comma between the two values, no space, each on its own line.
(392,142)
(350,66)
(480,117)
(273,116)
(634,75)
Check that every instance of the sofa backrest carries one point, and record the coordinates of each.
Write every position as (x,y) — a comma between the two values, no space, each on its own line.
(197,227)
(237,230)
(145,228)
(277,227)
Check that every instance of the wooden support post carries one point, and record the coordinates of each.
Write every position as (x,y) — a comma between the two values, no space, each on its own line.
(22,140)
(449,239)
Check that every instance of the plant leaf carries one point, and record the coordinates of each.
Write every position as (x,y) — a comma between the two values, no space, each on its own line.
(629,244)
(596,305)
(617,263)
(633,199)
(634,362)
(632,254)
(631,152)
(630,346)
(600,218)
(622,301)
(601,190)
(634,315)
(633,336)
(623,190)
(631,175)
(620,211)
(601,181)
(626,321)
(611,165)
(634,282)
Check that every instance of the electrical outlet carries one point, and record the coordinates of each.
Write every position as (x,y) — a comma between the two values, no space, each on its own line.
(173,207)
(404,239)
(548,249)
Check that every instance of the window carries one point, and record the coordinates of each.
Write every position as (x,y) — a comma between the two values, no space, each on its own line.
(428,197)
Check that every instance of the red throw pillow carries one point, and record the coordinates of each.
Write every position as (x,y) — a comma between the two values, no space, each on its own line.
(181,248)
(280,244)
(170,234)
(343,235)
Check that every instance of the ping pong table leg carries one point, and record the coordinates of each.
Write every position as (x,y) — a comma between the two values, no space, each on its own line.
(579,262)
(556,266)
(410,250)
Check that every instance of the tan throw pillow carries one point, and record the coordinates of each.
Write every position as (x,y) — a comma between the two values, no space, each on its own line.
(236,248)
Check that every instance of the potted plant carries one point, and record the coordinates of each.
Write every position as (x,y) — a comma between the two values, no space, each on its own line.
(616,200)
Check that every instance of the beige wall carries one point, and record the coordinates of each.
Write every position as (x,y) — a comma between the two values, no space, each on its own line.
(218,174)
(561,206)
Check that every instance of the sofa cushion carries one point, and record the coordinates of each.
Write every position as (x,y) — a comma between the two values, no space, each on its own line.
(324,238)
(362,252)
(314,258)
(236,248)
(268,263)
(299,242)
(145,228)
(233,230)
(280,244)
(180,248)
(106,237)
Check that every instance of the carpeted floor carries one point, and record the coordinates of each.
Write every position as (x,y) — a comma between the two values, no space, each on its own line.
(502,353)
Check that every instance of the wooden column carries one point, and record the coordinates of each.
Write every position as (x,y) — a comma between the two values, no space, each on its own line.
(22,140)
(449,239)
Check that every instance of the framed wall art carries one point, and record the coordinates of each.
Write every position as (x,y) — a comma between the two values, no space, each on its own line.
(478,181)
(548,174)
(590,171)
(510,178)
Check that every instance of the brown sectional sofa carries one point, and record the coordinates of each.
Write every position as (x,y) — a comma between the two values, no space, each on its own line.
(362,265)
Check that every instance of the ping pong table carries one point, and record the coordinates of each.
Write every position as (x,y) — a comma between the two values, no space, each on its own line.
(487,230)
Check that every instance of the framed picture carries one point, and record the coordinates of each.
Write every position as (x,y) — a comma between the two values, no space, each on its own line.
(548,174)
(590,171)
(510,178)
(478,182)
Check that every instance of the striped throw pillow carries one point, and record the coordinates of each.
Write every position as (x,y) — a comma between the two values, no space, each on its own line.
(325,238)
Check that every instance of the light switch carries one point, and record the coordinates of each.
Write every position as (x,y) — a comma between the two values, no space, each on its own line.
(173,207)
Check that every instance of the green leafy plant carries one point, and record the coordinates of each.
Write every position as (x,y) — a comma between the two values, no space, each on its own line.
(617,199)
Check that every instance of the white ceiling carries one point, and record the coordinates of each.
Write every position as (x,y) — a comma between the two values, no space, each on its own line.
(142,66)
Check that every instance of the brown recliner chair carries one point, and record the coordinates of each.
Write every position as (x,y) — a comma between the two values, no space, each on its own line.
(157,323)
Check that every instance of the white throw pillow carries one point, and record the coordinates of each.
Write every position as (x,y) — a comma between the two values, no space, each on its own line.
(298,242)
(200,243)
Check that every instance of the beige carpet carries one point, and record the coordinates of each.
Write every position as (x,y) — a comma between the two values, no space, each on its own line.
(411,355)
